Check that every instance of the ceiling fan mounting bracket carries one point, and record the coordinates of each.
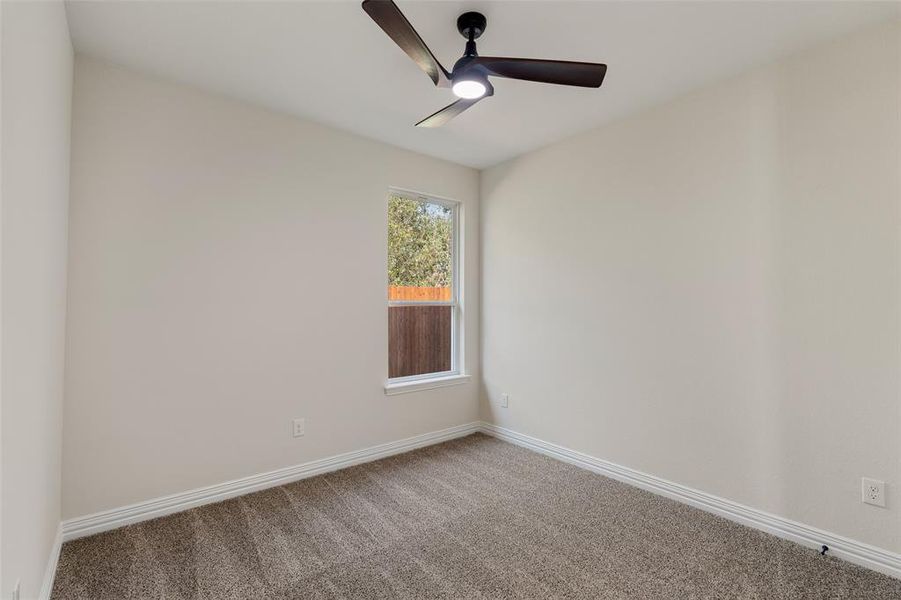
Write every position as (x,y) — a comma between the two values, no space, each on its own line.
(471,23)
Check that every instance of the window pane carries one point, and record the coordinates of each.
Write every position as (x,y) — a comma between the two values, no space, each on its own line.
(420,248)
(419,340)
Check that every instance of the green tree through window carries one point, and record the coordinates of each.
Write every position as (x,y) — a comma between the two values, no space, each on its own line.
(420,236)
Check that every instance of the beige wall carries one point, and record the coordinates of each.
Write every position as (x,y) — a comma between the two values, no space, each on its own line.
(709,291)
(35,115)
(202,232)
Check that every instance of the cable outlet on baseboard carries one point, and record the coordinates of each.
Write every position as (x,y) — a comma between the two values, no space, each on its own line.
(299,427)
(873,491)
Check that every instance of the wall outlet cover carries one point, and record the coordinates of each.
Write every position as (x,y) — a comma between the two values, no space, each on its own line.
(299,427)
(873,491)
(505,400)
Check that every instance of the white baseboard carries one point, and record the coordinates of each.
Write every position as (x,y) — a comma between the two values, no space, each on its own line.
(50,572)
(158,507)
(853,551)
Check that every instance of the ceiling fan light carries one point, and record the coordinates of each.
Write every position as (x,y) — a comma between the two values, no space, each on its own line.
(469,89)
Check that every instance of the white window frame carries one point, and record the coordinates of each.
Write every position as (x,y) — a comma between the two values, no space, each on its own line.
(455,376)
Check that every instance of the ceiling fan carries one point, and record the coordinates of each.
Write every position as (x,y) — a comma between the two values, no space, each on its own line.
(469,77)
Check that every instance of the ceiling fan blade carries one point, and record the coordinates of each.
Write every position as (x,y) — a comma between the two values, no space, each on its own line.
(562,72)
(447,113)
(387,15)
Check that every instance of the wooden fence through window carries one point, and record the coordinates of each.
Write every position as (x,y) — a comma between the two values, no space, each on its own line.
(419,337)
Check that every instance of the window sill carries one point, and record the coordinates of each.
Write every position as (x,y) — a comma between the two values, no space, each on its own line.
(406,387)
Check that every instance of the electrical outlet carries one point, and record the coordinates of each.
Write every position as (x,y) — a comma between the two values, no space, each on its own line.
(505,400)
(873,492)
(299,427)
(16,590)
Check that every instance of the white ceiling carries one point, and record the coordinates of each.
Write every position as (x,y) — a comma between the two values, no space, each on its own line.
(329,62)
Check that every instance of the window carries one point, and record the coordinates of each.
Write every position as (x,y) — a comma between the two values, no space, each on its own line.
(423,295)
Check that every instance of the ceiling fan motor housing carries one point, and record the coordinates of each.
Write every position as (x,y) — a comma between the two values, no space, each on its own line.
(471,24)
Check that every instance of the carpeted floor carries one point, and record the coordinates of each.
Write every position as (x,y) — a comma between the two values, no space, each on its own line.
(471,518)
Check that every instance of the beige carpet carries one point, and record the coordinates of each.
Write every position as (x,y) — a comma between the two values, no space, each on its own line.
(471,518)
